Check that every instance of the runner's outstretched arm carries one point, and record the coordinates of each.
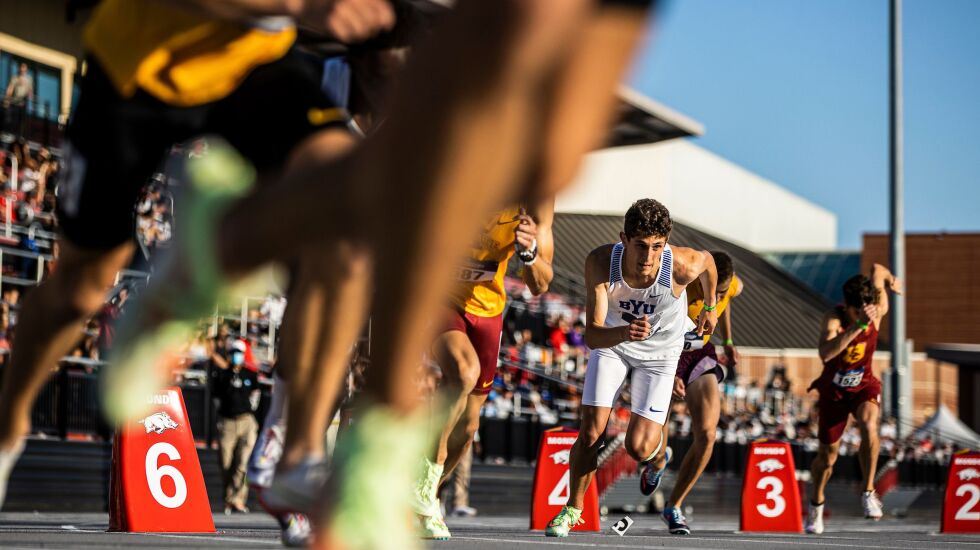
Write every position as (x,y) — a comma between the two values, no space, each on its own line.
(884,280)
(690,264)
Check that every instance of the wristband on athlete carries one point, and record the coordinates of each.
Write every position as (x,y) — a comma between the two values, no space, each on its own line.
(528,255)
(709,308)
(729,342)
(863,325)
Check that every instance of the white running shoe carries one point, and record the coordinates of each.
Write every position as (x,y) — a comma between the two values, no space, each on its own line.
(295,490)
(872,505)
(296,531)
(7,461)
(463,512)
(814,520)
(265,457)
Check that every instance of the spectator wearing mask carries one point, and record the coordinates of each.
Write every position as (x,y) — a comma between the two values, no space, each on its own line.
(236,385)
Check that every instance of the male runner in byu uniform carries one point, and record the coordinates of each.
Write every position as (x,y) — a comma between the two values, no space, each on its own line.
(848,385)
(637,306)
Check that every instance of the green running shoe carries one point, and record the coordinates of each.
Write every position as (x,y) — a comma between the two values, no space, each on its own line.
(186,287)
(427,489)
(434,527)
(564,522)
(374,467)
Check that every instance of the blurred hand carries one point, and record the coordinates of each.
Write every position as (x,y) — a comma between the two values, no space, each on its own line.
(526,233)
(731,352)
(349,21)
(895,285)
(680,391)
(868,314)
(707,322)
(639,329)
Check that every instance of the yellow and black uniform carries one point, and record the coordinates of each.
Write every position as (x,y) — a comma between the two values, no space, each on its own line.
(160,75)
(696,363)
(479,297)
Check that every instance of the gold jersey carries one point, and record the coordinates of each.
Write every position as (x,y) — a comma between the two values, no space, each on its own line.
(179,56)
(695,300)
(480,281)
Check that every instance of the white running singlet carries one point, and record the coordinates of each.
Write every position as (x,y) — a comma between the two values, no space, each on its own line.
(668,315)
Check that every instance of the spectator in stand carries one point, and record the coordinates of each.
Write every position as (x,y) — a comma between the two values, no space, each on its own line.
(6,333)
(558,339)
(107,317)
(11,299)
(52,264)
(530,352)
(754,396)
(19,93)
(88,347)
(504,404)
(200,350)
(576,338)
(236,384)
(222,342)
(273,309)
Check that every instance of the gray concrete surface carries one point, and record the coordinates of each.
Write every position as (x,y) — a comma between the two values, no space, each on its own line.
(87,530)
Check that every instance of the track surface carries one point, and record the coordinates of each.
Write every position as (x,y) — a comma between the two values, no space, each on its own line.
(25,530)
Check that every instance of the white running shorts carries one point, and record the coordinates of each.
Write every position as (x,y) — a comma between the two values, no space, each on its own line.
(651,383)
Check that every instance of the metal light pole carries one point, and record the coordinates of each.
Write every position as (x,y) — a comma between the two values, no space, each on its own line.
(901,377)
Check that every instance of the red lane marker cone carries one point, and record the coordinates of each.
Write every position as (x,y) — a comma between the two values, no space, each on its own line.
(157,484)
(961,512)
(770,494)
(551,483)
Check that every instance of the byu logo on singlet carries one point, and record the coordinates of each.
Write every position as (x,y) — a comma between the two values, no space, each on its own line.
(633,308)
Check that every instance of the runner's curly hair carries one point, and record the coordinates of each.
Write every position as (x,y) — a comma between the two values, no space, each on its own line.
(647,217)
(859,291)
(724,265)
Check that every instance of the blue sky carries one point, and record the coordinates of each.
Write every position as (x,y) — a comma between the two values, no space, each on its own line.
(797,91)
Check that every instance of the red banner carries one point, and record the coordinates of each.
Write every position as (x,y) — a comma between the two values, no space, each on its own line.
(770,494)
(156,483)
(551,483)
(961,507)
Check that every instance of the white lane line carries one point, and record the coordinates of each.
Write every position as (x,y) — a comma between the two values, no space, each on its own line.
(566,542)
(814,542)
(569,542)
(215,537)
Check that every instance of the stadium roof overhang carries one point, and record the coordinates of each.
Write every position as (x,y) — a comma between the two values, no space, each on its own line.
(643,120)
(964,355)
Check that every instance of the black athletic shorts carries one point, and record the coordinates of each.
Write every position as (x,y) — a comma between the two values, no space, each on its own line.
(114,144)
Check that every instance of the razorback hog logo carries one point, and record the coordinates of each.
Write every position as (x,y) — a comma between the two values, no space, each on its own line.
(561,457)
(159,423)
(968,474)
(770,465)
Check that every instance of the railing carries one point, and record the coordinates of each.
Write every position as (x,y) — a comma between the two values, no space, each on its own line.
(68,406)
(37,276)
(33,121)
